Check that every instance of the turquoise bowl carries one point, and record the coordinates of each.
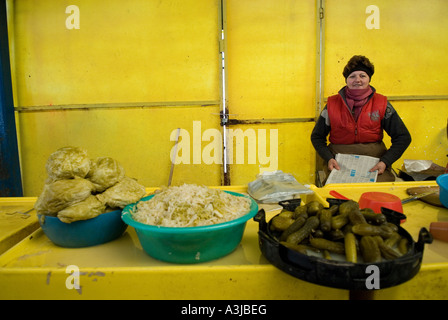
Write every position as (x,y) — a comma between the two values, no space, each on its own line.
(187,245)
(442,181)
(84,233)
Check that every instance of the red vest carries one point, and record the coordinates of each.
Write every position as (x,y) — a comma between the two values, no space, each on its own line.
(344,129)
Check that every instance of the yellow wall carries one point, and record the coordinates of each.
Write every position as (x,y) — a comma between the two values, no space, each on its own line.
(118,86)
(135,71)
(270,59)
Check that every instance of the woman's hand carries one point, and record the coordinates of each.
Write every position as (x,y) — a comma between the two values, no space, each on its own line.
(380,166)
(333,164)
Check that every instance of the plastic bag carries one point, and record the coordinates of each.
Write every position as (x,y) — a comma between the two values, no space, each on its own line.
(272,187)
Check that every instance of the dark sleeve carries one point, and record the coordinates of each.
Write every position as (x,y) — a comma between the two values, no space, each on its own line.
(319,136)
(399,134)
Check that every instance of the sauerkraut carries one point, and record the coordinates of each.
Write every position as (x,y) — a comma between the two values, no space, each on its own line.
(190,205)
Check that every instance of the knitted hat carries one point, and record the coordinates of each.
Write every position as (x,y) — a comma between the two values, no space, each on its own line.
(358,63)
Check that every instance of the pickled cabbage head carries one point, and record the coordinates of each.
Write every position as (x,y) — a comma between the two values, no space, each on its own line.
(60,194)
(86,209)
(125,192)
(68,163)
(104,173)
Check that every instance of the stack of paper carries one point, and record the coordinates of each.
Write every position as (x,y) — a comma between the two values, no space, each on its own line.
(354,168)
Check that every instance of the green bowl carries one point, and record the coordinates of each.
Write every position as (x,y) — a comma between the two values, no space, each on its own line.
(190,244)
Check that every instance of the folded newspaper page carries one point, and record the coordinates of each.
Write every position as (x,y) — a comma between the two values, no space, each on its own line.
(354,168)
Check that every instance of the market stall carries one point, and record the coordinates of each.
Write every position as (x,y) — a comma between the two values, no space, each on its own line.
(35,268)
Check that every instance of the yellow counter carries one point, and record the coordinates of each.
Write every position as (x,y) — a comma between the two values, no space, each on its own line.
(35,268)
(15,222)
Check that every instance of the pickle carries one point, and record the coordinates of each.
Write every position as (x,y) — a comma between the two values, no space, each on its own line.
(356,217)
(365,229)
(334,209)
(336,234)
(311,224)
(378,239)
(337,222)
(325,220)
(393,239)
(318,234)
(392,226)
(351,254)
(314,207)
(386,231)
(296,247)
(348,206)
(388,252)
(372,217)
(347,228)
(369,249)
(300,211)
(286,214)
(403,246)
(281,223)
(295,226)
(324,244)
(326,254)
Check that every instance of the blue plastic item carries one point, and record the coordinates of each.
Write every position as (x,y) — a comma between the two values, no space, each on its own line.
(442,181)
(190,244)
(84,233)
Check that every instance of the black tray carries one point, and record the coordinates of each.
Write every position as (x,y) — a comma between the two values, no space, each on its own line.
(342,274)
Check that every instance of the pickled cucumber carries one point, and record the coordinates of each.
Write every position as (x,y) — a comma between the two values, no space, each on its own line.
(343,229)
(324,244)
(369,249)
(281,223)
(365,229)
(372,217)
(325,220)
(314,207)
(351,254)
(295,226)
(297,237)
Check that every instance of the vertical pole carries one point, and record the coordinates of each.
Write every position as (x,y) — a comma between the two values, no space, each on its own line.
(320,59)
(10,177)
(224,111)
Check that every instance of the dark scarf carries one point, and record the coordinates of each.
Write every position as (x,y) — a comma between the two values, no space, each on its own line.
(356,98)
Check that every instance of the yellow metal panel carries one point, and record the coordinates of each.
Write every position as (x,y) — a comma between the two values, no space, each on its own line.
(122,52)
(430,283)
(285,148)
(16,221)
(427,122)
(408,49)
(270,58)
(141,139)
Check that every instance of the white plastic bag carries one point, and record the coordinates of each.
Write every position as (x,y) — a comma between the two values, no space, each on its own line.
(272,187)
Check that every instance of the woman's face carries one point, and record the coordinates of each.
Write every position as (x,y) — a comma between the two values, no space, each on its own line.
(358,80)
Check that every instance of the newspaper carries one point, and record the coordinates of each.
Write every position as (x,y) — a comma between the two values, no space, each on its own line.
(354,168)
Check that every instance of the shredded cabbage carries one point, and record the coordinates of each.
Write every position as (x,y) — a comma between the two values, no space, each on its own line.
(190,205)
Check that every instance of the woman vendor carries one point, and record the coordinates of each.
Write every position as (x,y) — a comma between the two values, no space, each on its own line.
(355,119)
